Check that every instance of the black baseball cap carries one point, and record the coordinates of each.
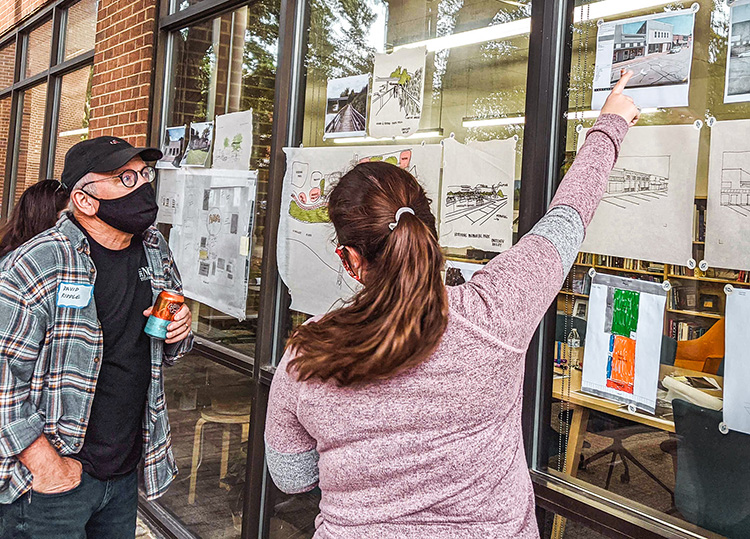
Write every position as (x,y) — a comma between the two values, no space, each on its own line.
(101,154)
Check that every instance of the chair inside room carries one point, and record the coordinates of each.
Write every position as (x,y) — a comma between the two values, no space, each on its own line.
(703,354)
(618,430)
(712,489)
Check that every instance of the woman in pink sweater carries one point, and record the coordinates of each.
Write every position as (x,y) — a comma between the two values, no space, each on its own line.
(405,405)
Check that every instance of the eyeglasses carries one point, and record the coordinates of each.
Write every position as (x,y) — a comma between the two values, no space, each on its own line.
(130,177)
(345,263)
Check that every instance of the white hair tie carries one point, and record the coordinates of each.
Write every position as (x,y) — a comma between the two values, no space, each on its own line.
(399,213)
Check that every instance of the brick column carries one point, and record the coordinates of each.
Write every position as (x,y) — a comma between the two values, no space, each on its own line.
(123,65)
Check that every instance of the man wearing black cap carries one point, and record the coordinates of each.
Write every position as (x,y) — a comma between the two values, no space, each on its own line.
(81,389)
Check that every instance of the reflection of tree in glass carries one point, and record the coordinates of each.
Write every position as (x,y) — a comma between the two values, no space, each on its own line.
(338,41)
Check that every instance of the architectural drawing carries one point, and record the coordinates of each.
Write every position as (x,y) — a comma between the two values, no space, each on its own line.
(397,94)
(627,186)
(728,203)
(479,213)
(623,340)
(476,204)
(306,244)
(646,212)
(234,140)
(735,182)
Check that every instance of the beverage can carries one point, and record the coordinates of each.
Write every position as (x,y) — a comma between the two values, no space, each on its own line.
(167,304)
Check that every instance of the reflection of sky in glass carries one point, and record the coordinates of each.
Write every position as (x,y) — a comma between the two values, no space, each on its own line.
(741,13)
(683,24)
(376,35)
(356,83)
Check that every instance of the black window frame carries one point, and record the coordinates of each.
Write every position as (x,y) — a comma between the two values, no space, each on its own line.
(52,77)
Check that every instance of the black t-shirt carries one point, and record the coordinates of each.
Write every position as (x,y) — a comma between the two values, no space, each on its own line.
(114,438)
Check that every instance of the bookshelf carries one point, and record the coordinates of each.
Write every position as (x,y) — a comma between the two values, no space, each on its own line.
(696,300)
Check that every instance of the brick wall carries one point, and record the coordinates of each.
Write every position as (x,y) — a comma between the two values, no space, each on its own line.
(14,11)
(123,63)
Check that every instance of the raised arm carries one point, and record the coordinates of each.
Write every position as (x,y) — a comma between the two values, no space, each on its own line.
(511,294)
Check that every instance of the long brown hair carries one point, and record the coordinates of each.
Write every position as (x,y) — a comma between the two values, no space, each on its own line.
(35,212)
(397,319)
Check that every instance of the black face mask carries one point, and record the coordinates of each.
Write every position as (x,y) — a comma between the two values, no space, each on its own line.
(132,213)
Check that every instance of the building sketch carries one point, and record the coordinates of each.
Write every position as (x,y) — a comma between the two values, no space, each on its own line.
(403,86)
(628,186)
(735,182)
(477,204)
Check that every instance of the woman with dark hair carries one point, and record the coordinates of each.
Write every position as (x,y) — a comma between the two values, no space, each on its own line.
(37,210)
(404,406)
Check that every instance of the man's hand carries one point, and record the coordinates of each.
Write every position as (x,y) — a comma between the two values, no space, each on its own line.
(179,328)
(52,473)
(620,104)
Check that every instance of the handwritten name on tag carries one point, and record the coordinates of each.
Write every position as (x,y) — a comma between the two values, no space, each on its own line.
(74,295)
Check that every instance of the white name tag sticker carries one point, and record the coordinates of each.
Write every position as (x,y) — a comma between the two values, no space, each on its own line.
(74,295)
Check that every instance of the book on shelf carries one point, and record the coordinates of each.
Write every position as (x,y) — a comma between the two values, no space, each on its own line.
(685,331)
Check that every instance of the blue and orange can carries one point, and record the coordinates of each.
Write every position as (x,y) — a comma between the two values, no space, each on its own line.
(167,304)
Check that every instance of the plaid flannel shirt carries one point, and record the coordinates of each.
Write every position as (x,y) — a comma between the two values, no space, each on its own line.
(50,356)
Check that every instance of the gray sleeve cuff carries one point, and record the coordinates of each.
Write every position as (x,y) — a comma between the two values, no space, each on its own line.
(563,227)
(293,472)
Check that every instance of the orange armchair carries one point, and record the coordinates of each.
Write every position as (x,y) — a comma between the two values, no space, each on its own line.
(703,354)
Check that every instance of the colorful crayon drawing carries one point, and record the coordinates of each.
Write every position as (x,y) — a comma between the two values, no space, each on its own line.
(621,364)
(624,329)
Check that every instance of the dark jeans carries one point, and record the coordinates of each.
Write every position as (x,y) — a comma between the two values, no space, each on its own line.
(94,509)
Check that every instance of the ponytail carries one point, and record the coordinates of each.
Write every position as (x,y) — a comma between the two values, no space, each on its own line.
(396,321)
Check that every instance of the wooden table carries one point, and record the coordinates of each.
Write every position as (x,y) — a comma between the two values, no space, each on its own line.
(580,406)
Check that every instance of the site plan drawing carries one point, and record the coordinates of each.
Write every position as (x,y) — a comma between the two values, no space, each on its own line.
(728,204)
(212,245)
(623,340)
(646,212)
(477,194)
(397,92)
(306,241)
(657,48)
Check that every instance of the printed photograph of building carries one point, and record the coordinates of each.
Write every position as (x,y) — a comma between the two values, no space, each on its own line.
(658,51)
(738,60)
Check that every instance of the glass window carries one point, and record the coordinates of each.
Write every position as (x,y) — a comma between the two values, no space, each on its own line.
(7,64)
(4,128)
(595,441)
(219,66)
(209,414)
(38,47)
(181,5)
(225,65)
(474,91)
(29,138)
(80,28)
(73,116)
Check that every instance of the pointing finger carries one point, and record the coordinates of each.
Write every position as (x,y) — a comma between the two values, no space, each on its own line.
(620,86)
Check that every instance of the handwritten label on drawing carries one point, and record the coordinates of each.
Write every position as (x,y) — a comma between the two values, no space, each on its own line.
(74,295)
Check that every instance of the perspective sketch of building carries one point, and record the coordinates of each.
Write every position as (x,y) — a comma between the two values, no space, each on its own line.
(735,182)
(634,187)
(653,36)
(477,203)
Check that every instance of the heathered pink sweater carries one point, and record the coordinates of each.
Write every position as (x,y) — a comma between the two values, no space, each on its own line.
(437,451)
